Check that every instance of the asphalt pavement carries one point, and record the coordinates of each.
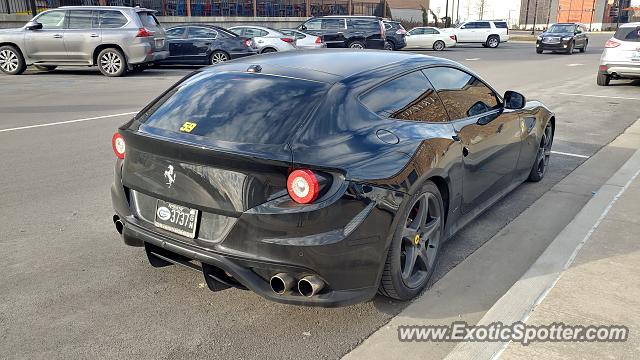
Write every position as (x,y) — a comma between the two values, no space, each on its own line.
(71,289)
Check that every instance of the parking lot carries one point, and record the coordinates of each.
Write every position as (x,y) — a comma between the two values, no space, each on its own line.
(71,289)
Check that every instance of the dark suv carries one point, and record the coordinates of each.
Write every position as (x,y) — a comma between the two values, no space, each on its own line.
(395,35)
(356,32)
(564,37)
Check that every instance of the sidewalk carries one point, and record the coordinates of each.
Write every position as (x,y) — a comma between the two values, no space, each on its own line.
(602,287)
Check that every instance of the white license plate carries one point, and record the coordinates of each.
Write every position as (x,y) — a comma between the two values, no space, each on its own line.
(635,56)
(176,218)
(159,43)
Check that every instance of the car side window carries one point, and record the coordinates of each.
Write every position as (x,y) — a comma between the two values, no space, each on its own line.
(483,25)
(80,19)
(110,19)
(416,31)
(462,94)
(409,97)
(314,24)
(175,33)
(251,32)
(333,24)
(52,20)
(202,33)
(470,26)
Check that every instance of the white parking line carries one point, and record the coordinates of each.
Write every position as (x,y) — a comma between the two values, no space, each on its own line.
(600,96)
(67,122)
(570,154)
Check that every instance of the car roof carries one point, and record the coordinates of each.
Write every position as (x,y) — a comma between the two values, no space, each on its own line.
(330,65)
(631,24)
(139,9)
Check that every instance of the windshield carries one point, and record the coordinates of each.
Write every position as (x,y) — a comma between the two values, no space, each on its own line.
(235,107)
(567,28)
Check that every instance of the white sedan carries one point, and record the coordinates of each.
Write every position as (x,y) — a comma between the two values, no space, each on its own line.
(429,38)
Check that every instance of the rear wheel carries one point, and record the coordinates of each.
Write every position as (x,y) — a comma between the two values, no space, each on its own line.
(604,79)
(45,67)
(218,57)
(415,246)
(493,42)
(269,50)
(11,61)
(543,155)
(439,45)
(584,48)
(112,62)
(356,45)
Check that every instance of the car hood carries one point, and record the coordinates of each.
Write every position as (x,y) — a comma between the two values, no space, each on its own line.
(556,34)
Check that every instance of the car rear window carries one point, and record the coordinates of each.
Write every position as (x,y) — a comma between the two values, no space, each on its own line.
(112,19)
(148,19)
(628,34)
(236,107)
(501,24)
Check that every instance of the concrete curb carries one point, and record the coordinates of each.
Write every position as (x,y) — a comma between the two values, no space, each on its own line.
(526,294)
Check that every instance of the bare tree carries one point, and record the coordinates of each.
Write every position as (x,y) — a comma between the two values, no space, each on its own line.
(481,6)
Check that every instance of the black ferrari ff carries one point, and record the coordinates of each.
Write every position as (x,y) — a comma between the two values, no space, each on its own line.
(321,177)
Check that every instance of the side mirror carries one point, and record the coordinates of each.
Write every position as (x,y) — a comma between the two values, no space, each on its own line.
(514,100)
(33,25)
(302,27)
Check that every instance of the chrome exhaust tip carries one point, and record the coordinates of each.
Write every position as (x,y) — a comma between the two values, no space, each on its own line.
(310,285)
(281,283)
(118,223)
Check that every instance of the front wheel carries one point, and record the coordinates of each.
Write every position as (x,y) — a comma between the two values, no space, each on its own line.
(439,45)
(11,61)
(356,45)
(112,62)
(538,51)
(415,246)
(572,46)
(543,155)
(388,45)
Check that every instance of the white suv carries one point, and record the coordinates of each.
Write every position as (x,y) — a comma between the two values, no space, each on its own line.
(621,56)
(488,33)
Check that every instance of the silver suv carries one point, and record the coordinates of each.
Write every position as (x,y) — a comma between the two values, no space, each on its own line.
(115,39)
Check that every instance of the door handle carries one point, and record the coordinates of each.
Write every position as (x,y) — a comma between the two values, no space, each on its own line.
(57,36)
(94,35)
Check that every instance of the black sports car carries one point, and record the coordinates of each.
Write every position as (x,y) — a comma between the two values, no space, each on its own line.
(205,44)
(311,181)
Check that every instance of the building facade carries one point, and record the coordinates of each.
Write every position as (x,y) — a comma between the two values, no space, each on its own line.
(597,15)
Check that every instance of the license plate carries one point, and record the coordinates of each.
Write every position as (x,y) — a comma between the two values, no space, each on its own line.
(159,43)
(176,218)
(635,56)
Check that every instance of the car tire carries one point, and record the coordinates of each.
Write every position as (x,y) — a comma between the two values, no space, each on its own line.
(493,42)
(404,278)
(439,45)
(538,51)
(484,45)
(269,50)
(603,80)
(357,44)
(543,155)
(571,47)
(11,60)
(584,48)
(112,62)
(45,67)
(388,45)
(218,57)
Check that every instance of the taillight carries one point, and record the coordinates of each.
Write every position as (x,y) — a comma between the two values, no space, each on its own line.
(401,31)
(142,32)
(318,40)
(611,44)
(287,40)
(453,37)
(117,142)
(302,186)
(248,43)
(603,68)
(382,33)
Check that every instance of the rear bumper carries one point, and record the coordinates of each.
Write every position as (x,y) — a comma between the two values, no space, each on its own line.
(622,69)
(144,53)
(344,244)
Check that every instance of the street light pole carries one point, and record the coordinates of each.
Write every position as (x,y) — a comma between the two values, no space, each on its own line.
(535,13)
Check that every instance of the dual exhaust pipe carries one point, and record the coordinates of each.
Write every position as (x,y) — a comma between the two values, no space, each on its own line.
(307,286)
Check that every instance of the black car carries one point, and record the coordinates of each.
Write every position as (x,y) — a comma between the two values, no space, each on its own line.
(563,37)
(396,34)
(356,32)
(205,44)
(308,180)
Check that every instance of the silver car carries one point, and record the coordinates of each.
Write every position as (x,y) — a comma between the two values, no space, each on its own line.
(115,39)
(304,40)
(621,56)
(267,39)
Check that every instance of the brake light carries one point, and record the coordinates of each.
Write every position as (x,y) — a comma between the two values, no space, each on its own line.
(287,40)
(382,33)
(248,42)
(453,37)
(117,142)
(318,40)
(401,31)
(603,68)
(611,44)
(142,32)
(302,186)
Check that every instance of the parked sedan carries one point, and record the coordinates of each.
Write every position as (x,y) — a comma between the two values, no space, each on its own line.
(304,40)
(563,37)
(621,56)
(267,40)
(321,177)
(205,44)
(429,38)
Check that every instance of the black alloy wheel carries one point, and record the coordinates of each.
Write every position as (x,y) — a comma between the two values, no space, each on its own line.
(543,155)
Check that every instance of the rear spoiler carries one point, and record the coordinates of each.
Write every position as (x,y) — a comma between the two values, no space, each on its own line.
(139,9)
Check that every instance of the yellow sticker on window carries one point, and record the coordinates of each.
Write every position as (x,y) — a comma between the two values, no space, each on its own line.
(188,127)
